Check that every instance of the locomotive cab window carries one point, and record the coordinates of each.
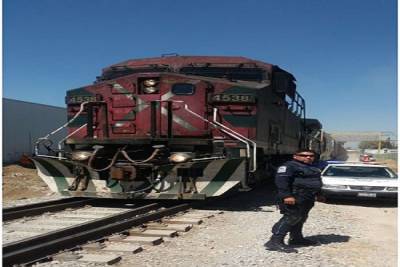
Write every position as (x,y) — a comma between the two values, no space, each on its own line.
(183,89)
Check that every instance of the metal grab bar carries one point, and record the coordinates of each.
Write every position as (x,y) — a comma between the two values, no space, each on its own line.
(238,135)
(231,133)
(219,127)
(65,138)
(199,116)
(41,139)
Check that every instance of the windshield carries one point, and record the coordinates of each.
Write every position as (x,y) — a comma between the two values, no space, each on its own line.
(359,172)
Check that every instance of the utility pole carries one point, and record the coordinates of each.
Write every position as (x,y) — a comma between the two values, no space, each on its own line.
(379,142)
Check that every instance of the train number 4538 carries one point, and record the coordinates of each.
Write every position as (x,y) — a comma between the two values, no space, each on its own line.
(230,98)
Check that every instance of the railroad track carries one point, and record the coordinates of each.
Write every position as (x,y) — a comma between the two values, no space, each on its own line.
(29,240)
(13,213)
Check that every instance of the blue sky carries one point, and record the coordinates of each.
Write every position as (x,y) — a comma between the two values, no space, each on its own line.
(343,53)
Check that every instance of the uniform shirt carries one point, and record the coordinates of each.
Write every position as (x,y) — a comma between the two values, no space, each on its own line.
(295,176)
(320,164)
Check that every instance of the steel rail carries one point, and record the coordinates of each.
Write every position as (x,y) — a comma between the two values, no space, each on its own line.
(40,247)
(42,207)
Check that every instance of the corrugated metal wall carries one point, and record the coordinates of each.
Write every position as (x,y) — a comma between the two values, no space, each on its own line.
(24,123)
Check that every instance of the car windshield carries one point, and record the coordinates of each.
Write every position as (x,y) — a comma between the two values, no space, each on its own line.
(359,172)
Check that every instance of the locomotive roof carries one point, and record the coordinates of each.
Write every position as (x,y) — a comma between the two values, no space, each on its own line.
(230,68)
(177,62)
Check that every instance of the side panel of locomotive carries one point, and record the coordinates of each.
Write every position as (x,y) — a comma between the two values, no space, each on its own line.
(173,135)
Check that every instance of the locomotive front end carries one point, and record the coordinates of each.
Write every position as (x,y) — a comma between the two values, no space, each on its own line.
(144,135)
(175,128)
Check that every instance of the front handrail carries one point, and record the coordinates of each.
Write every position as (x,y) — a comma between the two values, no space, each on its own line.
(42,139)
(215,125)
(231,133)
(241,136)
(65,138)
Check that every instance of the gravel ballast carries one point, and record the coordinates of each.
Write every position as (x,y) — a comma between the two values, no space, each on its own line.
(354,233)
(350,235)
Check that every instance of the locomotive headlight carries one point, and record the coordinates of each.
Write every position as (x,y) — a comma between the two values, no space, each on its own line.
(149,83)
(81,155)
(150,86)
(180,157)
(150,90)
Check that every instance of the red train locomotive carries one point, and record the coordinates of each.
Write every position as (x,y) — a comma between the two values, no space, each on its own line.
(177,127)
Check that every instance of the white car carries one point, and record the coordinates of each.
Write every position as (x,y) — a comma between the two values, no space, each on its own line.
(359,180)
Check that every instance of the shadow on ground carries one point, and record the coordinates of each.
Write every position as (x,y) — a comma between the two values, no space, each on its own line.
(331,238)
(253,200)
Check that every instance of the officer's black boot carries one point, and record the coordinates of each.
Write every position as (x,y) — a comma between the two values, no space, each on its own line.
(296,237)
(276,244)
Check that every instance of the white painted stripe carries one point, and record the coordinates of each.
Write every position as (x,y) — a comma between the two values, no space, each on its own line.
(179,120)
(163,186)
(209,174)
(235,178)
(99,185)
(60,167)
(167,96)
(46,177)
(227,185)
(141,105)
(120,88)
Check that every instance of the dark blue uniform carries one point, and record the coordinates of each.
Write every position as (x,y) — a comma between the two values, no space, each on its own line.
(303,182)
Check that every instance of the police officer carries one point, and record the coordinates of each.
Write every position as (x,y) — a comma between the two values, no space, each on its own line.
(299,184)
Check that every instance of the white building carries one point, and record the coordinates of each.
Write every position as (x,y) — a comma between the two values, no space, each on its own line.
(24,123)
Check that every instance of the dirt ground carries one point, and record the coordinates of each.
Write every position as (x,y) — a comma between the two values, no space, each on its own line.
(22,183)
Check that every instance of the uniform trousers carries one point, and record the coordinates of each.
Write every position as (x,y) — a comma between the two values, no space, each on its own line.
(294,217)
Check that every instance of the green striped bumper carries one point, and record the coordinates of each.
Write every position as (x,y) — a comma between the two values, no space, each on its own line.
(219,176)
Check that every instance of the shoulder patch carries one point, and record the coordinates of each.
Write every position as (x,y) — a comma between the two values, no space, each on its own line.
(281,169)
